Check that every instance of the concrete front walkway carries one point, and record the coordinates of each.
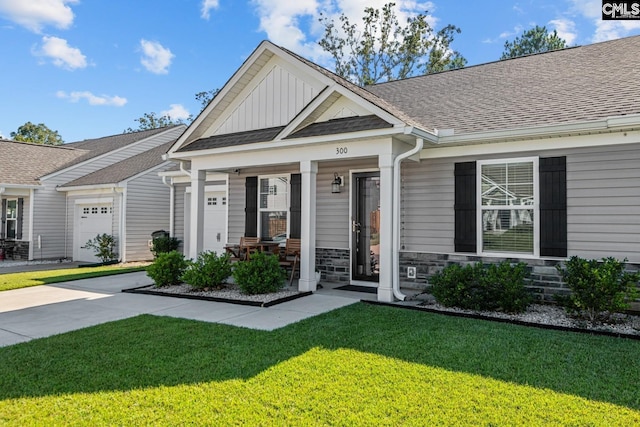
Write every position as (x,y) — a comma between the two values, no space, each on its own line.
(45,310)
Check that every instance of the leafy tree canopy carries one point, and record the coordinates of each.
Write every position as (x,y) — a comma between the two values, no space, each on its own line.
(536,40)
(39,134)
(383,50)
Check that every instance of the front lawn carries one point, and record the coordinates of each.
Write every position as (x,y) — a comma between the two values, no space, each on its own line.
(360,365)
(10,281)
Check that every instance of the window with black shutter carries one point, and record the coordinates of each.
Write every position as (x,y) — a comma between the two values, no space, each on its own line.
(465,207)
(553,206)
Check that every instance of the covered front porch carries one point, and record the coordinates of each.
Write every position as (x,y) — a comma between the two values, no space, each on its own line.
(341,208)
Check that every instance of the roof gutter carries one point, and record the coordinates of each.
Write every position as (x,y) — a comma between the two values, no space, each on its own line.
(396,217)
(607,124)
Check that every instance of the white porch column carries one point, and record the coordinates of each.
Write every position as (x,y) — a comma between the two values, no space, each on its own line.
(309,171)
(198,178)
(385,290)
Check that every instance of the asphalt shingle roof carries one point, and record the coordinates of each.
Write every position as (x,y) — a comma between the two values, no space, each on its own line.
(22,163)
(230,139)
(99,146)
(576,84)
(342,125)
(124,169)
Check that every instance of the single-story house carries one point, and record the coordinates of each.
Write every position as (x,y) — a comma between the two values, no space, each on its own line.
(533,158)
(55,199)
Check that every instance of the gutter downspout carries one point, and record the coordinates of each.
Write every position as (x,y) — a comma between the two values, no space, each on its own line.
(396,217)
(172,203)
(183,170)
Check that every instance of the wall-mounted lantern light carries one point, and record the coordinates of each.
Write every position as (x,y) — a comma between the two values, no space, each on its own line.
(336,184)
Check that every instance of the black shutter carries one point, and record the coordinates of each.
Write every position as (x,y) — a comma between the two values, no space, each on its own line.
(295,221)
(553,206)
(465,207)
(3,218)
(19,220)
(251,207)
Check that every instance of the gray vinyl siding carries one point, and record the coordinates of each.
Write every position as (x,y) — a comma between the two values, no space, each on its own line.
(49,215)
(147,210)
(603,202)
(71,208)
(333,223)
(332,210)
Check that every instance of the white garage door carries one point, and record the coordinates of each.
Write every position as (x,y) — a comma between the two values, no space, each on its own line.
(215,221)
(93,219)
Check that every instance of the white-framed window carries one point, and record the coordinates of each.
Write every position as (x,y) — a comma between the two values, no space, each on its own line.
(273,206)
(212,201)
(11,224)
(86,211)
(224,201)
(508,206)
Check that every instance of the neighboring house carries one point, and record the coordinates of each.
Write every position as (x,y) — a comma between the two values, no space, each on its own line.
(73,192)
(534,159)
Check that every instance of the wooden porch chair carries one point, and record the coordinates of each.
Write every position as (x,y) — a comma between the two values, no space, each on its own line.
(290,257)
(247,248)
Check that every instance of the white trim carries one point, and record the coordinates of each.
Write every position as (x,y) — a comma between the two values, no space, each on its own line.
(93,201)
(350,218)
(31,210)
(6,217)
(287,209)
(123,226)
(522,146)
(87,187)
(535,207)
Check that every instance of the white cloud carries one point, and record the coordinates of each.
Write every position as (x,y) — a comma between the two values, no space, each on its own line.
(508,34)
(62,55)
(114,101)
(176,112)
(207,5)
(295,25)
(604,30)
(155,57)
(35,14)
(566,30)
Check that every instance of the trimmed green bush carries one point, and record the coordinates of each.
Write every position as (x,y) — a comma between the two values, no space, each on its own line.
(208,270)
(167,269)
(261,275)
(164,244)
(508,282)
(104,245)
(598,288)
(478,287)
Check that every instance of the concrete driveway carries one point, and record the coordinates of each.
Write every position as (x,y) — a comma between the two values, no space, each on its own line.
(46,310)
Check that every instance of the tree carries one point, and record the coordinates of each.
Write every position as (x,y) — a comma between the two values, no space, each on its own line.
(152,121)
(39,134)
(536,40)
(383,50)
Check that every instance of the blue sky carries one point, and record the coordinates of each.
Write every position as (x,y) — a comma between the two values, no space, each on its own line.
(89,68)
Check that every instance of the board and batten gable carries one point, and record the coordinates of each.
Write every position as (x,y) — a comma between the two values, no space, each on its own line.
(603,201)
(275,96)
(147,210)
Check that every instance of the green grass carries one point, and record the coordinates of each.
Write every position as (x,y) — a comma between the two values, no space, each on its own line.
(10,281)
(360,365)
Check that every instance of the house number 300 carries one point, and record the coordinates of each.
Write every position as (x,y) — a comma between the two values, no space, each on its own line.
(341,150)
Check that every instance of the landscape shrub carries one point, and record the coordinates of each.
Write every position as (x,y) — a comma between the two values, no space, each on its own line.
(598,288)
(260,275)
(164,244)
(104,246)
(167,269)
(478,287)
(208,271)
(508,282)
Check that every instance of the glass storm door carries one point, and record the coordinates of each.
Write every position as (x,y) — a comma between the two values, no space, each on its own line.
(365,227)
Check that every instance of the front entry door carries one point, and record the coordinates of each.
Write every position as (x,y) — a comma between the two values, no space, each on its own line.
(365,227)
